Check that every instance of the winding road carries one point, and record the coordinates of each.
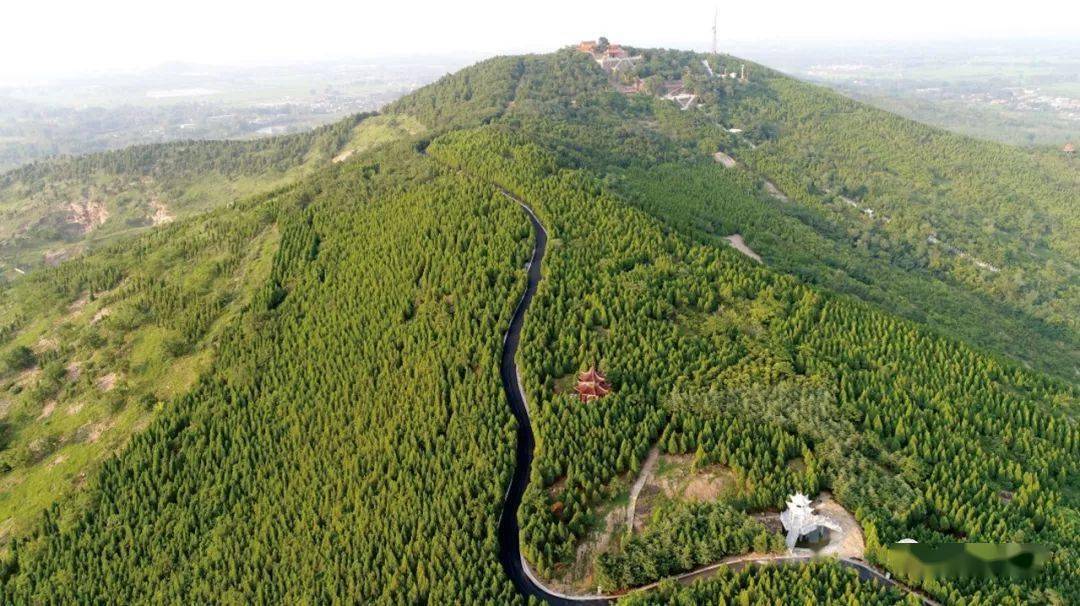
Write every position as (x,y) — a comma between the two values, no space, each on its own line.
(513,562)
(509,534)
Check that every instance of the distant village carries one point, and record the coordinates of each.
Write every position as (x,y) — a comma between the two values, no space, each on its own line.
(619,63)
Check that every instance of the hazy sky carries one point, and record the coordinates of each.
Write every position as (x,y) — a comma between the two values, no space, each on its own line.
(40,38)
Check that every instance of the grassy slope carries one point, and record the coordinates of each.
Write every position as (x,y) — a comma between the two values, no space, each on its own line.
(110,353)
(126,188)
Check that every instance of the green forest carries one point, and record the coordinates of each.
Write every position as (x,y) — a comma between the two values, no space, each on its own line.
(305,402)
(56,209)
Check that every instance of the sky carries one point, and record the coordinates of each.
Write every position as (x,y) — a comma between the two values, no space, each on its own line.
(49,38)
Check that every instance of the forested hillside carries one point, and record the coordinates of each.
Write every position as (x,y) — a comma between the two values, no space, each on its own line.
(95,348)
(56,209)
(351,440)
(822,583)
(711,355)
(660,159)
(997,204)
(341,433)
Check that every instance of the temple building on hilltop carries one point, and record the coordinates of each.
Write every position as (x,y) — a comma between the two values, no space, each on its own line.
(592,385)
(610,57)
(801,523)
(587,46)
(1069,149)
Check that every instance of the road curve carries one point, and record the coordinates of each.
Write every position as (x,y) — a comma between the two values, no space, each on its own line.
(513,562)
(509,533)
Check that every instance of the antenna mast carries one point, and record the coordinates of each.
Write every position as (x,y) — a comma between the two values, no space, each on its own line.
(716,14)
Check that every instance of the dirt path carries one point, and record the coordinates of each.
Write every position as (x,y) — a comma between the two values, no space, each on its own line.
(775,192)
(635,490)
(736,241)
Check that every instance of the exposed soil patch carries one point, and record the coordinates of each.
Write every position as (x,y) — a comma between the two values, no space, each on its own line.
(343,156)
(92,432)
(27,376)
(676,478)
(161,214)
(107,382)
(707,486)
(53,258)
(58,460)
(849,543)
(736,241)
(77,305)
(725,159)
(47,410)
(46,344)
(74,409)
(100,315)
(74,371)
(87,214)
(775,192)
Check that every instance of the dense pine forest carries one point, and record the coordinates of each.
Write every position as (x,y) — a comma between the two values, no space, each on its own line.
(340,433)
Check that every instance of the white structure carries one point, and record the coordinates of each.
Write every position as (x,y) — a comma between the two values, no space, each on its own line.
(708,67)
(614,64)
(801,522)
(682,97)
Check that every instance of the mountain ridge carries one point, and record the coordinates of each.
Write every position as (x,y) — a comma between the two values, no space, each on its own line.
(350,439)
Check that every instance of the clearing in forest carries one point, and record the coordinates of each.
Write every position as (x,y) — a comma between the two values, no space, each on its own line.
(675,477)
(737,242)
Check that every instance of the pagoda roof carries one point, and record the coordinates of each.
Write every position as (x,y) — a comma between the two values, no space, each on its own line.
(592,384)
(592,376)
(592,389)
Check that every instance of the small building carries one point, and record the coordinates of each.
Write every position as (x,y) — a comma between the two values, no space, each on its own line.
(1069,149)
(801,522)
(610,57)
(592,385)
